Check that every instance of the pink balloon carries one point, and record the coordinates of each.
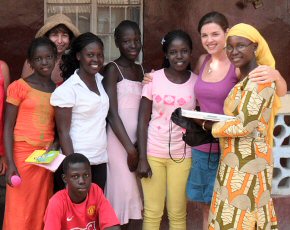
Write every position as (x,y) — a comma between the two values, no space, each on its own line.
(15,180)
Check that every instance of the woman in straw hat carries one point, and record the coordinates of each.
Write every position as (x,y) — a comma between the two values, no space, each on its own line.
(242,192)
(59,29)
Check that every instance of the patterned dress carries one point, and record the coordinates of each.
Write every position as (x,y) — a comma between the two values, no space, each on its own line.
(242,192)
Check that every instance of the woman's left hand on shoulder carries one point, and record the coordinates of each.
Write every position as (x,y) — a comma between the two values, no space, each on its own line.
(264,74)
(148,77)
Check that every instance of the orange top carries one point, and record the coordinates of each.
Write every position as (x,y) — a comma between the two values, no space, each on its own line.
(35,120)
(2,95)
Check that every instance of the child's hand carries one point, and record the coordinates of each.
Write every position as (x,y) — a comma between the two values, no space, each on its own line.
(144,169)
(264,74)
(12,170)
(147,78)
(132,160)
(53,146)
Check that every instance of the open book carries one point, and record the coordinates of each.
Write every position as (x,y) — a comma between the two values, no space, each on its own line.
(204,115)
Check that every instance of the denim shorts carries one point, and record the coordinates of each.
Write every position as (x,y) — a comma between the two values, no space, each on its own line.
(202,176)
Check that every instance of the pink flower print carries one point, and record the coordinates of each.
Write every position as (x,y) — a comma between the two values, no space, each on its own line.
(181,101)
(169,100)
(158,98)
(160,114)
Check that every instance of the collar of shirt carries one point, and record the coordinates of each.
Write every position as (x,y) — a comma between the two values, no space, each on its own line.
(75,78)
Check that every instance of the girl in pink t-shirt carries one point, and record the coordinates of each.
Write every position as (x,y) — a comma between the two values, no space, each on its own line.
(164,162)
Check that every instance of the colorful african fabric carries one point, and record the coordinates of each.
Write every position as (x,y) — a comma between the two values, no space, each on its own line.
(242,192)
(264,57)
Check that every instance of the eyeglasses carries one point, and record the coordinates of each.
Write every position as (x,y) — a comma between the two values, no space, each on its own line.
(240,47)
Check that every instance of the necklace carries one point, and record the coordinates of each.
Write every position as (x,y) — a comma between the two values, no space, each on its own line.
(210,68)
(209,71)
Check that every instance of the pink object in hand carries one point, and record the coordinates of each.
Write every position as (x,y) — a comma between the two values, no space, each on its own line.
(15,180)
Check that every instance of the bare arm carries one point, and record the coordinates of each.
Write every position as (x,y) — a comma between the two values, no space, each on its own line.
(10,120)
(145,111)
(110,81)
(26,70)
(63,123)
(264,74)
(281,85)
(6,75)
(55,144)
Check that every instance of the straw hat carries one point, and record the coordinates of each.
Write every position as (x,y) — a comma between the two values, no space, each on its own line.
(54,21)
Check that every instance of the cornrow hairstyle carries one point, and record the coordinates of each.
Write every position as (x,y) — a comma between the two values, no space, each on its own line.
(69,61)
(167,40)
(37,42)
(213,17)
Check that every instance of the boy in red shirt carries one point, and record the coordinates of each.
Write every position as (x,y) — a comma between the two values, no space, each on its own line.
(82,205)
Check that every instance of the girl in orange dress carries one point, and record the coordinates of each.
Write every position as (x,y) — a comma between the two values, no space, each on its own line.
(29,126)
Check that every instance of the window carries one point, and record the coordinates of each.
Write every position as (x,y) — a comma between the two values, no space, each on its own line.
(98,16)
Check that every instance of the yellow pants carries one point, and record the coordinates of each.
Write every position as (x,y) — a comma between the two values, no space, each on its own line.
(167,184)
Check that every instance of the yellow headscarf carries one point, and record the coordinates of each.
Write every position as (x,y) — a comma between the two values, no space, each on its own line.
(264,57)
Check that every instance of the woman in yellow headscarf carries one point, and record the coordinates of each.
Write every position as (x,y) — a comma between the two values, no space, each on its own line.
(242,192)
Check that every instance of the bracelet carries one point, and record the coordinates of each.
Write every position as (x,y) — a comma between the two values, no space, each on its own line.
(202,126)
